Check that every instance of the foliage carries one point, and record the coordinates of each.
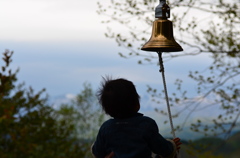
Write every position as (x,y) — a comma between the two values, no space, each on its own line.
(212,147)
(28,126)
(84,116)
(200,27)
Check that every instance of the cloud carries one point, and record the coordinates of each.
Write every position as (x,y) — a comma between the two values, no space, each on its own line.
(61,99)
(70,96)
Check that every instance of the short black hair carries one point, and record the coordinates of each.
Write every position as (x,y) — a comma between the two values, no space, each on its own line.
(118,97)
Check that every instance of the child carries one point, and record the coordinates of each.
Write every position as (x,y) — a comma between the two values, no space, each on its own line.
(128,134)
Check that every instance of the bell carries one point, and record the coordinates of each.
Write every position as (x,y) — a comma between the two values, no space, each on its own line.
(162,39)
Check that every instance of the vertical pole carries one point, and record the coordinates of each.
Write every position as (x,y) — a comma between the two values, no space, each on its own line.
(166,94)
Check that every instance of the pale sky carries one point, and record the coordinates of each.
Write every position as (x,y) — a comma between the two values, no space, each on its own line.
(49,20)
(60,44)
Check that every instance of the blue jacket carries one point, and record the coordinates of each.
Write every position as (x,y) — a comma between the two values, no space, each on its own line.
(134,137)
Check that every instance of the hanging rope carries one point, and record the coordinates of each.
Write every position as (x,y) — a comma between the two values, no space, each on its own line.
(166,94)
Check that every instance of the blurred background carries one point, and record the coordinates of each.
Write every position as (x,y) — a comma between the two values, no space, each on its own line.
(66,47)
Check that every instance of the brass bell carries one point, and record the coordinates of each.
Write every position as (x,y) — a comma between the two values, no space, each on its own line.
(162,39)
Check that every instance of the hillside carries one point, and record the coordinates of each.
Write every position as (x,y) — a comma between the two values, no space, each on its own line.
(212,147)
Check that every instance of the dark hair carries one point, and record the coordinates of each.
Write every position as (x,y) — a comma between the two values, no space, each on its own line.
(118,97)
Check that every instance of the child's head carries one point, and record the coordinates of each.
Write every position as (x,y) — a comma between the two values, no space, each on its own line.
(119,98)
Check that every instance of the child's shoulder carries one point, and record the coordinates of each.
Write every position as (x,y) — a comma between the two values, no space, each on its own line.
(144,118)
(107,123)
(138,119)
(147,120)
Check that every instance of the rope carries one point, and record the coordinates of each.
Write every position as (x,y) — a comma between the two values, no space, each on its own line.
(166,94)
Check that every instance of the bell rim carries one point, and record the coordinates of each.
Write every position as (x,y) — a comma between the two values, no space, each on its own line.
(176,49)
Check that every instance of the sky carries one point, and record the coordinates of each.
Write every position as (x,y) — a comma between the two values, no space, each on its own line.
(60,44)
